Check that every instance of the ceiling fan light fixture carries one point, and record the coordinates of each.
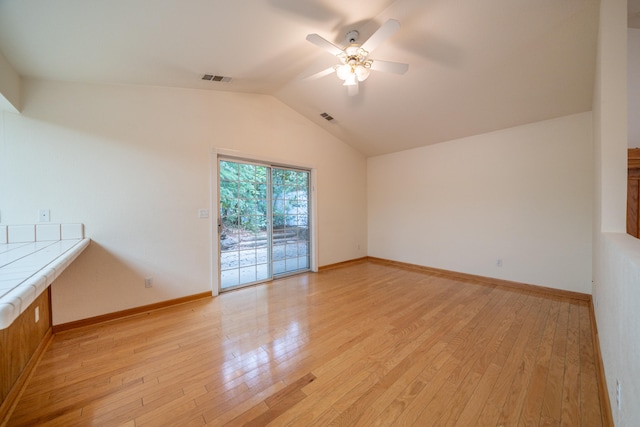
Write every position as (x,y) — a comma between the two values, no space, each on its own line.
(353,69)
(351,80)
(343,71)
(362,72)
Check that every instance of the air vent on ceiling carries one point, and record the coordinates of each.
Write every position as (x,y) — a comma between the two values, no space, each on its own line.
(326,117)
(214,78)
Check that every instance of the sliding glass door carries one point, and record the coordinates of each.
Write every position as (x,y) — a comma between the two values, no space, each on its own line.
(263,225)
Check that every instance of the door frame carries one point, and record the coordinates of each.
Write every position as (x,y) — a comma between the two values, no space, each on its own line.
(214,241)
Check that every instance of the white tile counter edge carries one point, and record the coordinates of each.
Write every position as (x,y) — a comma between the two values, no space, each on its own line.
(17,301)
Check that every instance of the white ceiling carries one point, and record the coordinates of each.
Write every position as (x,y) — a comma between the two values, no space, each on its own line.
(475,66)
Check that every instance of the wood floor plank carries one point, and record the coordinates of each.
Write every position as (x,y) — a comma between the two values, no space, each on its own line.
(474,404)
(224,415)
(552,395)
(367,382)
(589,398)
(514,365)
(114,413)
(382,410)
(26,415)
(276,404)
(508,351)
(532,400)
(509,320)
(479,348)
(571,415)
(444,366)
(366,344)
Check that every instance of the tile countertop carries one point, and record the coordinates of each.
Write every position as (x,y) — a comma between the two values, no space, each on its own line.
(28,268)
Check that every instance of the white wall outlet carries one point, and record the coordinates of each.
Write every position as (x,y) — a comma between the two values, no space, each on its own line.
(37,314)
(619,394)
(44,215)
(499,262)
(148,282)
(203,213)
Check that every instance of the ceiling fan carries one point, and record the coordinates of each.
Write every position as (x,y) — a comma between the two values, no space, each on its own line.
(355,63)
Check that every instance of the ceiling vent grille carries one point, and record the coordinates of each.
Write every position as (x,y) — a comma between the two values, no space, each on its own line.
(214,78)
(326,117)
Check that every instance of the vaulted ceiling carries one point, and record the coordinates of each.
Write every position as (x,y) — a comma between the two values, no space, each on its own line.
(474,66)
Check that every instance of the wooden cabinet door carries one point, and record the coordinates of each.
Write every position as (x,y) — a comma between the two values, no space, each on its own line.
(633,192)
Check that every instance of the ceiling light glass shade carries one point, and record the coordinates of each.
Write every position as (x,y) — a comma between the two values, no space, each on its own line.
(343,71)
(362,72)
(351,80)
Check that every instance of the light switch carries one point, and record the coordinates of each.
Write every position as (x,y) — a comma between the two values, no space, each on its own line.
(203,213)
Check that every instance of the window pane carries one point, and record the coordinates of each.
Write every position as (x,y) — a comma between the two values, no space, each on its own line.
(247,257)
(262,255)
(291,264)
(303,249)
(279,267)
(247,172)
(248,274)
(229,260)
(278,252)
(262,271)
(291,251)
(303,262)
(228,171)
(229,278)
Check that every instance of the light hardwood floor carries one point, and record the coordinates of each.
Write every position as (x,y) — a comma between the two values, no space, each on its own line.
(362,345)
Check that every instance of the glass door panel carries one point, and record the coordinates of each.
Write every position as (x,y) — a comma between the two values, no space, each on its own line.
(290,194)
(263,222)
(244,228)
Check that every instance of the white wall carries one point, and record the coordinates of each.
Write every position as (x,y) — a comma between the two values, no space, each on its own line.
(616,287)
(523,195)
(633,88)
(133,164)
(618,318)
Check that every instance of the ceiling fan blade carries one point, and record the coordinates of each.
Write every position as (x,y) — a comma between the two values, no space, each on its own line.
(352,90)
(324,44)
(320,74)
(389,67)
(384,32)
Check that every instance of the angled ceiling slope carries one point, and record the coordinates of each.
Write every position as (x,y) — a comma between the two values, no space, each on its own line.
(475,67)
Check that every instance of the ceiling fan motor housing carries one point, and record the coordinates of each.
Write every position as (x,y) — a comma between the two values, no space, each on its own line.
(352,36)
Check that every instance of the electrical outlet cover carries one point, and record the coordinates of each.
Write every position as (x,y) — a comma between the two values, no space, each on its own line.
(44,215)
